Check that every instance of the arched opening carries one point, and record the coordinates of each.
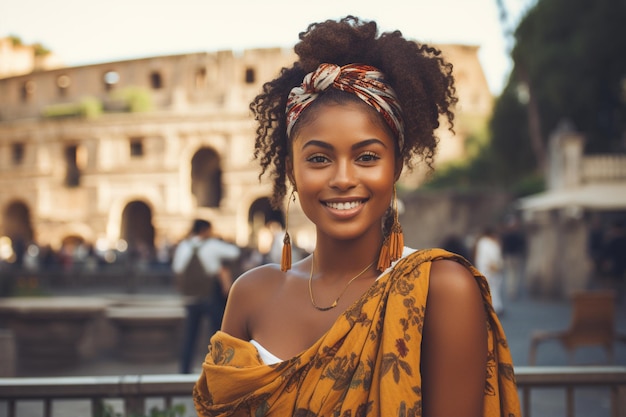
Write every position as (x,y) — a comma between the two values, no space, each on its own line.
(206,178)
(74,248)
(17,226)
(137,229)
(156,80)
(261,210)
(16,222)
(265,224)
(72,240)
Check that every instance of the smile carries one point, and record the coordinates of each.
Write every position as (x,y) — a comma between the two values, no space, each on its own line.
(348,205)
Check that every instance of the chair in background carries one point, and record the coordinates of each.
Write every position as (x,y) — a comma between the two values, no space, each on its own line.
(592,324)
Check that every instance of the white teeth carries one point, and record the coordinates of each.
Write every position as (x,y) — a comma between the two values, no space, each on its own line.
(344,206)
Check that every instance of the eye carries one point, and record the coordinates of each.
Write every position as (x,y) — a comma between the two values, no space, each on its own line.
(317,159)
(368,157)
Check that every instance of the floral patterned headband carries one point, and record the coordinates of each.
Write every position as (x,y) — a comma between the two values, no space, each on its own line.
(364,81)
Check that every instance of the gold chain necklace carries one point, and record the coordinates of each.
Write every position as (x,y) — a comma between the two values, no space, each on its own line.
(334,304)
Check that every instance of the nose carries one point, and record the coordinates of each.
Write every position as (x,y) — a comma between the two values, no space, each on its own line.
(344,176)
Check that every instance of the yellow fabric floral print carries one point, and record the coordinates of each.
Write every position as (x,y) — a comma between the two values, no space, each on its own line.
(367,364)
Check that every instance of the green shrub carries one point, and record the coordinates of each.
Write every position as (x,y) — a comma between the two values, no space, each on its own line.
(137,99)
(87,107)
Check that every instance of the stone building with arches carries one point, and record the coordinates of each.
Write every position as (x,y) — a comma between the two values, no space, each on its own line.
(134,150)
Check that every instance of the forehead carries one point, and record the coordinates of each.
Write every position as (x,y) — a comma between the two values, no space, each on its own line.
(329,116)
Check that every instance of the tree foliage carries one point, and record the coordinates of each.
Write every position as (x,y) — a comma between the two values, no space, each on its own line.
(572,55)
(510,144)
(569,64)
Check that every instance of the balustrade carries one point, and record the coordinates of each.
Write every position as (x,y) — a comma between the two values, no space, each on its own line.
(135,390)
(603,168)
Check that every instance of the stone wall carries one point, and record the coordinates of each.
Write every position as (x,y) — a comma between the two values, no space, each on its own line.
(200,102)
(430,217)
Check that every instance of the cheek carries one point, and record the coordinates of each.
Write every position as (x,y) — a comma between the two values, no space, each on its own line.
(385,193)
(307,179)
(383,185)
(383,178)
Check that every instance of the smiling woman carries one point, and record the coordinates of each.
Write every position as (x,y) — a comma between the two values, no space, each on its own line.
(363,326)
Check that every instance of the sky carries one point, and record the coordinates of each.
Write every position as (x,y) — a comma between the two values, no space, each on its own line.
(86,32)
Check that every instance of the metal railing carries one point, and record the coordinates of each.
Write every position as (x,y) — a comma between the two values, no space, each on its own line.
(571,378)
(134,390)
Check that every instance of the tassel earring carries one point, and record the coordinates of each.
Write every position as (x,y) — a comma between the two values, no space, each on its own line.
(393,245)
(285,260)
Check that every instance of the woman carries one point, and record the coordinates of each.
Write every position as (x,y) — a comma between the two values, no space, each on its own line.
(363,326)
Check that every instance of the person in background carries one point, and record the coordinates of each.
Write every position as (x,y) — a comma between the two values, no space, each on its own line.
(488,260)
(455,244)
(362,326)
(615,259)
(513,255)
(595,247)
(201,277)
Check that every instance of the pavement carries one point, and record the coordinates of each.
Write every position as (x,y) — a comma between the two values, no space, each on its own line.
(519,320)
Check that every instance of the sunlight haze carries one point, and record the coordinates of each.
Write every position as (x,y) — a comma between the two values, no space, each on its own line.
(85,32)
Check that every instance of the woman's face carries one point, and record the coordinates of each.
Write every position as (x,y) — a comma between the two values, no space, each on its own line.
(343,164)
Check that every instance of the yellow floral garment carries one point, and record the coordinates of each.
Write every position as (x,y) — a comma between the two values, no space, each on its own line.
(367,364)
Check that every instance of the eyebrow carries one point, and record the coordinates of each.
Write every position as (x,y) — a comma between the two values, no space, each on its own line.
(361,144)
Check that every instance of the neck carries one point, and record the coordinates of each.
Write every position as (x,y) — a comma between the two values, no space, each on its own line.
(336,259)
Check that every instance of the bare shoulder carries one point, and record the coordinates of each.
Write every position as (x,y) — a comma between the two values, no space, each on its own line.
(454,303)
(450,279)
(256,283)
(248,293)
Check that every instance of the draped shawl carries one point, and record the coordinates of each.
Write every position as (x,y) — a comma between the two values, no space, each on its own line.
(367,364)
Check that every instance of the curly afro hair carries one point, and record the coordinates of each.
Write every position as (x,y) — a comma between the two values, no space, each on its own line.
(422,80)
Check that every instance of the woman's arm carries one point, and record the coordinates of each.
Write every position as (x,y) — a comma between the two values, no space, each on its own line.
(454,344)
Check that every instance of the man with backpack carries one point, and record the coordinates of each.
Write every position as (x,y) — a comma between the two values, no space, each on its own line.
(201,279)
